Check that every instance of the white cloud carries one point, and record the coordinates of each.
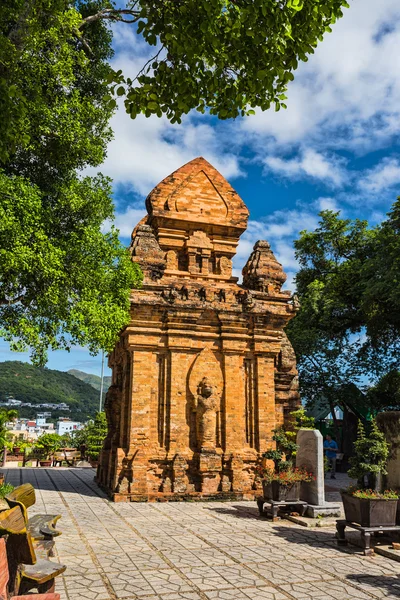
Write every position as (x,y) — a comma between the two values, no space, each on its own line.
(327,204)
(346,97)
(125,221)
(348,94)
(381,177)
(280,229)
(144,151)
(310,164)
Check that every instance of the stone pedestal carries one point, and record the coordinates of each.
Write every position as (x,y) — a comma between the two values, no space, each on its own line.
(310,456)
(203,373)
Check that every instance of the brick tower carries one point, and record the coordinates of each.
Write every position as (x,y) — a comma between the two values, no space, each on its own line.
(204,371)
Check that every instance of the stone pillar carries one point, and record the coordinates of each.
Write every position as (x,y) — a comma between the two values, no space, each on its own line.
(389,423)
(234,425)
(310,456)
(265,391)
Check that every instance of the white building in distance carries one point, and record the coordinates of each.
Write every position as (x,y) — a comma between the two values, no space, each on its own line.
(67,426)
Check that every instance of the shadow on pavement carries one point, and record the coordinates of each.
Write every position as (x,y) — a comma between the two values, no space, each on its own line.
(381,582)
(312,537)
(62,480)
(237,511)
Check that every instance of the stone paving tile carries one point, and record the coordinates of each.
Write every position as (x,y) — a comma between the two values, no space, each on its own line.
(166,543)
(65,546)
(331,590)
(167,580)
(130,584)
(179,551)
(90,587)
(206,578)
(104,546)
(253,593)
(239,576)
(144,561)
(115,562)
(212,557)
(184,559)
(378,586)
(181,596)
(227,594)
(77,565)
(289,572)
(264,593)
(256,554)
(350,565)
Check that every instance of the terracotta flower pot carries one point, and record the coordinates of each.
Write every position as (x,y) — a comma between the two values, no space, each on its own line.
(45,463)
(370,512)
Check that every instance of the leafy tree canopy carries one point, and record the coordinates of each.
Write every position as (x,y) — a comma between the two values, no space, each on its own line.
(386,392)
(223,55)
(349,288)
(62,280)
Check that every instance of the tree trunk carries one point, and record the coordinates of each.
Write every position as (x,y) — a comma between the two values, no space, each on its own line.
(335,423)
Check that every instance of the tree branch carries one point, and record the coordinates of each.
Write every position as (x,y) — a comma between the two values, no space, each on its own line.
(113,15)
(7,302)
(148,62)
(84,43)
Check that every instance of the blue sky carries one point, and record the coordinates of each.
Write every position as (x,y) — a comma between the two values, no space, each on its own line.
(336,146)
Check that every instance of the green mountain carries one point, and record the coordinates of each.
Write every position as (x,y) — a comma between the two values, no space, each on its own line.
(37,385)
(93,380)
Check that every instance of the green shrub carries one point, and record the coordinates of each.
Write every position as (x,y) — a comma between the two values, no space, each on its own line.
(370,457)
(96,433)
(5,488)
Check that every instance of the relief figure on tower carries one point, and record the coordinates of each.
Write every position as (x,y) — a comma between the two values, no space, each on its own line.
(206,406)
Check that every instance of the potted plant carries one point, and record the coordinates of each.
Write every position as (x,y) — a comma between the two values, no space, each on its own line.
(282,482)
(49,443)
(284,485)
(367,503)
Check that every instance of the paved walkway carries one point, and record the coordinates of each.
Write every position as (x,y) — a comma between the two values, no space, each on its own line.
(195,551)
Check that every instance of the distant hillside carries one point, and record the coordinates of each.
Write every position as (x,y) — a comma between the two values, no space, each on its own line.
(36,385)
(93,380)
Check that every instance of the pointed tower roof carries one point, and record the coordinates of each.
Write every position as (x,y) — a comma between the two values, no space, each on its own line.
(198,193)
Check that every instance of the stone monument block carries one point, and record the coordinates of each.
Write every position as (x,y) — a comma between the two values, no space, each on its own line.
(310,456)
(203,373)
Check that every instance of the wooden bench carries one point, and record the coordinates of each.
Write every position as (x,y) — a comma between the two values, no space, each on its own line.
(40,527)
(72,457)
(68,455)
(26,570)
(4,578)
(58,459)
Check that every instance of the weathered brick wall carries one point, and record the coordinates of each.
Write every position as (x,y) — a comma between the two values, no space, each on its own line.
(204,372)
